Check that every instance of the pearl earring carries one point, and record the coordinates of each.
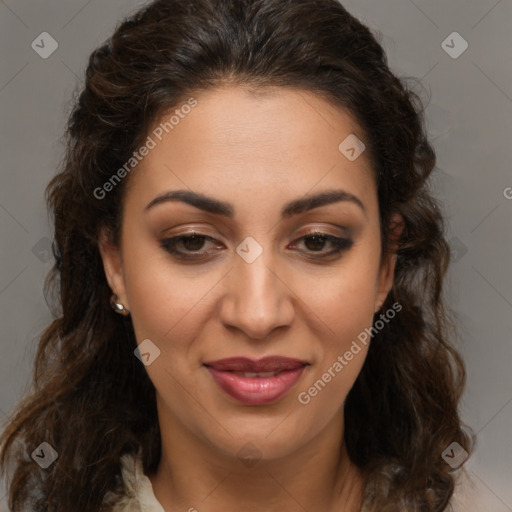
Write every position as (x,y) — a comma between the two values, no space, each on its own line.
(117,306)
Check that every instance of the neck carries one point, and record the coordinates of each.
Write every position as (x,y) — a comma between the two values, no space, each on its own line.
(318,476)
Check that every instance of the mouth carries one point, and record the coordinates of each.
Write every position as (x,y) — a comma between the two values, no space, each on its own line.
(256,382)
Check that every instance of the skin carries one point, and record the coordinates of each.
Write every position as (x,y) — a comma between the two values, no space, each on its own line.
(256,151)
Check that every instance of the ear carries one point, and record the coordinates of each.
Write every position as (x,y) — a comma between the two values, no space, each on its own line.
(387,271)
(113,266)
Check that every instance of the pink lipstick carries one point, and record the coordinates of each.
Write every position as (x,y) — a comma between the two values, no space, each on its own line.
(256,382)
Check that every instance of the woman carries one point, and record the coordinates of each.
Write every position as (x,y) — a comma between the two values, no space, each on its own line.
(250,270)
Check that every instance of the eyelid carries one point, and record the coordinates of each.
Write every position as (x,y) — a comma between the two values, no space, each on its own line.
(188,230)
(324,230)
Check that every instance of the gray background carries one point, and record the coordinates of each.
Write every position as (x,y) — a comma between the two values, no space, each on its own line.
(470,123)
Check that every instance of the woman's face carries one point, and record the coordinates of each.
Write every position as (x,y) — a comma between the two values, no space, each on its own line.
(250,285)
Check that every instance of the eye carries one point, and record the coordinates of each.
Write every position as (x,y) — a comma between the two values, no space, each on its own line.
(193,243)
(315,242)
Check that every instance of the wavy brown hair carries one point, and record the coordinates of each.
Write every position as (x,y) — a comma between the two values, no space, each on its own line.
(91,399)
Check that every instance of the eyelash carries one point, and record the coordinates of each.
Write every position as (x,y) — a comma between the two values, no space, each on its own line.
(169,244)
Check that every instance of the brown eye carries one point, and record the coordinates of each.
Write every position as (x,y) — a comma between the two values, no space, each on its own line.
(191,243)
(315,242)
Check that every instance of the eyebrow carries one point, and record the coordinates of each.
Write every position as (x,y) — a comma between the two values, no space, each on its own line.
(295,207)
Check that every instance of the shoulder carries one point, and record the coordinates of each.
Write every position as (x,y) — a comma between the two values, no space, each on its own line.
(135,492)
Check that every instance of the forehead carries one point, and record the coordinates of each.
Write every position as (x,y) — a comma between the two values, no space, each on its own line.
(246,144)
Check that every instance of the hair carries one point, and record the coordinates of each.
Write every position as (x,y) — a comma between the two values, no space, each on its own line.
(91,399)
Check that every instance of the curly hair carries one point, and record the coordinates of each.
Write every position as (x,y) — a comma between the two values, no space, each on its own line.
(91,399)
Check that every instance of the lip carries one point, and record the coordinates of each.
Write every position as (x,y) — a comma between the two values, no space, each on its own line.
(256,390)
(265,364)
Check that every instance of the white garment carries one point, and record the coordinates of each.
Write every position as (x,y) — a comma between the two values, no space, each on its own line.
(138,494)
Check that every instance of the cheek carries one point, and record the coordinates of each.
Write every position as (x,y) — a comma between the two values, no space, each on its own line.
(156,299)
(346,343)
(166,311)
(345,304)
(346,301)
(347,311)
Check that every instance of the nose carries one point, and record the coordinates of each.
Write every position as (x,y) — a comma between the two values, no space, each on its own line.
(257,298)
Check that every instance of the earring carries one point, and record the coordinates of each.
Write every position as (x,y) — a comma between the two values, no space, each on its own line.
(117,306)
